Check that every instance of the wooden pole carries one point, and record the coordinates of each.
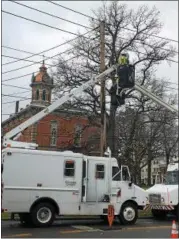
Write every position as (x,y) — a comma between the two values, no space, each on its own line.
(102,100)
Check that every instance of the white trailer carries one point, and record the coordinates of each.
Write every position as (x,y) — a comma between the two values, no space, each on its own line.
(42,184)
(163,198)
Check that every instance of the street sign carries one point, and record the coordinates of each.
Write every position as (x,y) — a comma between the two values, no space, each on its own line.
(110,214)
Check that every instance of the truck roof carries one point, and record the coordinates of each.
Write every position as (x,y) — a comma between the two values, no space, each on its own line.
(173,167)
(64,153)
(39,152)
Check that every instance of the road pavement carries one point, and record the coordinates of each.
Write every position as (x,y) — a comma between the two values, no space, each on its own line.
(144,228)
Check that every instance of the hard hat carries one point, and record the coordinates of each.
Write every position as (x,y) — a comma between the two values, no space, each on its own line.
(125,54)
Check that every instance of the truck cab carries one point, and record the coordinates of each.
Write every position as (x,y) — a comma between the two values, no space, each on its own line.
(163,198)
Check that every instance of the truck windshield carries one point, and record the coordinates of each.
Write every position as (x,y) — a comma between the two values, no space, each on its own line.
(172,178)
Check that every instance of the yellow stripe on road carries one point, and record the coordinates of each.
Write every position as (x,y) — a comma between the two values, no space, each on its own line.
(18,235)
(72,231)
(145,228)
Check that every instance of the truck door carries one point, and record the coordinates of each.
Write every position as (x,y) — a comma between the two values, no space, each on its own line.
(84,180)
(127,189)
(97,183)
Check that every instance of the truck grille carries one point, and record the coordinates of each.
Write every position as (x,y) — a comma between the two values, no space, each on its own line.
(154,198)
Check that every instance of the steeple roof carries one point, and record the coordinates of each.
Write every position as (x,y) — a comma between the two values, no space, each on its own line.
(42,76)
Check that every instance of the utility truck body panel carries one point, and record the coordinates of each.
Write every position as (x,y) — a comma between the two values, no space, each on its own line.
(77,184)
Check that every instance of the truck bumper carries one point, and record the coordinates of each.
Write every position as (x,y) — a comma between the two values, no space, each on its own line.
(159,207)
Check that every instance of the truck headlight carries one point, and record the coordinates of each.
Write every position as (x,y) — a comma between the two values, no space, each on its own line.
(162,199)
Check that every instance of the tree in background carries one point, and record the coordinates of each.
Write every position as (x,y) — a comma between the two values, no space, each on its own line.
(141,132)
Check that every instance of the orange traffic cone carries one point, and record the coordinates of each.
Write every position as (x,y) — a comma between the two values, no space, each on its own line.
(174,232)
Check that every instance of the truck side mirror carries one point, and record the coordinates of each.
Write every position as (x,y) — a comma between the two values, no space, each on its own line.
(131,182)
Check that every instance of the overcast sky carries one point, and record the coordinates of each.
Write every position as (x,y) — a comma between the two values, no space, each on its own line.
(21,34)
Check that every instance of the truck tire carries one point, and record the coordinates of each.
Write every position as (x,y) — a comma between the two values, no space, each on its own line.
(159,214)
(43,214)
(128,214)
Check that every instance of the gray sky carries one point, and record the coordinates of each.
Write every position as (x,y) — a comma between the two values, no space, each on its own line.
(28,36)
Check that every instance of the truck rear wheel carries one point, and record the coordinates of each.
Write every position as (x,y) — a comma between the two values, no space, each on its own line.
(43,214)
(128,214)
(159,214)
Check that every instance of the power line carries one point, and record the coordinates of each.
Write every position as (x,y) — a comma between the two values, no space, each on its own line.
(52,15)
(15,93)
(67,8)
(13,78)
(52,48)
(14,96)
(47,58)
(85,15)
(15,101)
(19,50)
(15,86)
(40,23)
(20,59)
(57,64)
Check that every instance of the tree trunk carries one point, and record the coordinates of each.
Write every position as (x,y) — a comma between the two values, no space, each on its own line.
(111,142)
(167,158)
(149,166)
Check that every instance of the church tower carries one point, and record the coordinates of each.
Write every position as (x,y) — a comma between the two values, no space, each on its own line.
(42,85)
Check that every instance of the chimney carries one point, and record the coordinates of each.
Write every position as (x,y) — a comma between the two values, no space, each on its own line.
(17,107)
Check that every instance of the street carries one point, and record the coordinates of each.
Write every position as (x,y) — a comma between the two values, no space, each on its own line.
(144,228)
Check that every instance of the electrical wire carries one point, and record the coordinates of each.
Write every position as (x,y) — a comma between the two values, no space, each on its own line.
(40,23)
(15,93)
(15,86)
(47,58)
(52,48)
(21,97)
(67,8)
(52,15)
(14,101)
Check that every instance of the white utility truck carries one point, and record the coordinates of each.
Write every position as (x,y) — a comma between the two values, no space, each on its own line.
(40,184)
(163,198)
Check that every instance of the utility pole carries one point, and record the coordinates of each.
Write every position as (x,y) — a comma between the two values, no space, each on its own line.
(102,95)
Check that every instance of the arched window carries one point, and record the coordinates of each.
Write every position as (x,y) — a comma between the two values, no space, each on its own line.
(37,95)
(44,95)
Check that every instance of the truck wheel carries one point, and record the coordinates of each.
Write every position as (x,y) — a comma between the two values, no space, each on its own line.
(159,214)
(43,214)
(128,214)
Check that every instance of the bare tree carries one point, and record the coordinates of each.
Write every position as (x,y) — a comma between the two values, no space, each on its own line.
(125,29)
(140,132)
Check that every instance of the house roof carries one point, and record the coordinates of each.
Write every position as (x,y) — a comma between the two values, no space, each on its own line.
(60,110)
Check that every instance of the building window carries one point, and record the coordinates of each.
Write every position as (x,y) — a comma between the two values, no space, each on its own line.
(78,135)
(100,171)
(53,133)
(44,95)
(37,95)
(69,170)
(34,133)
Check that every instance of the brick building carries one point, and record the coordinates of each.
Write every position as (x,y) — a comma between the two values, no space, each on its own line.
(62,129)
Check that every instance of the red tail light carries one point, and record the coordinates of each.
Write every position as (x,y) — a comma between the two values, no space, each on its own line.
(119,193)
